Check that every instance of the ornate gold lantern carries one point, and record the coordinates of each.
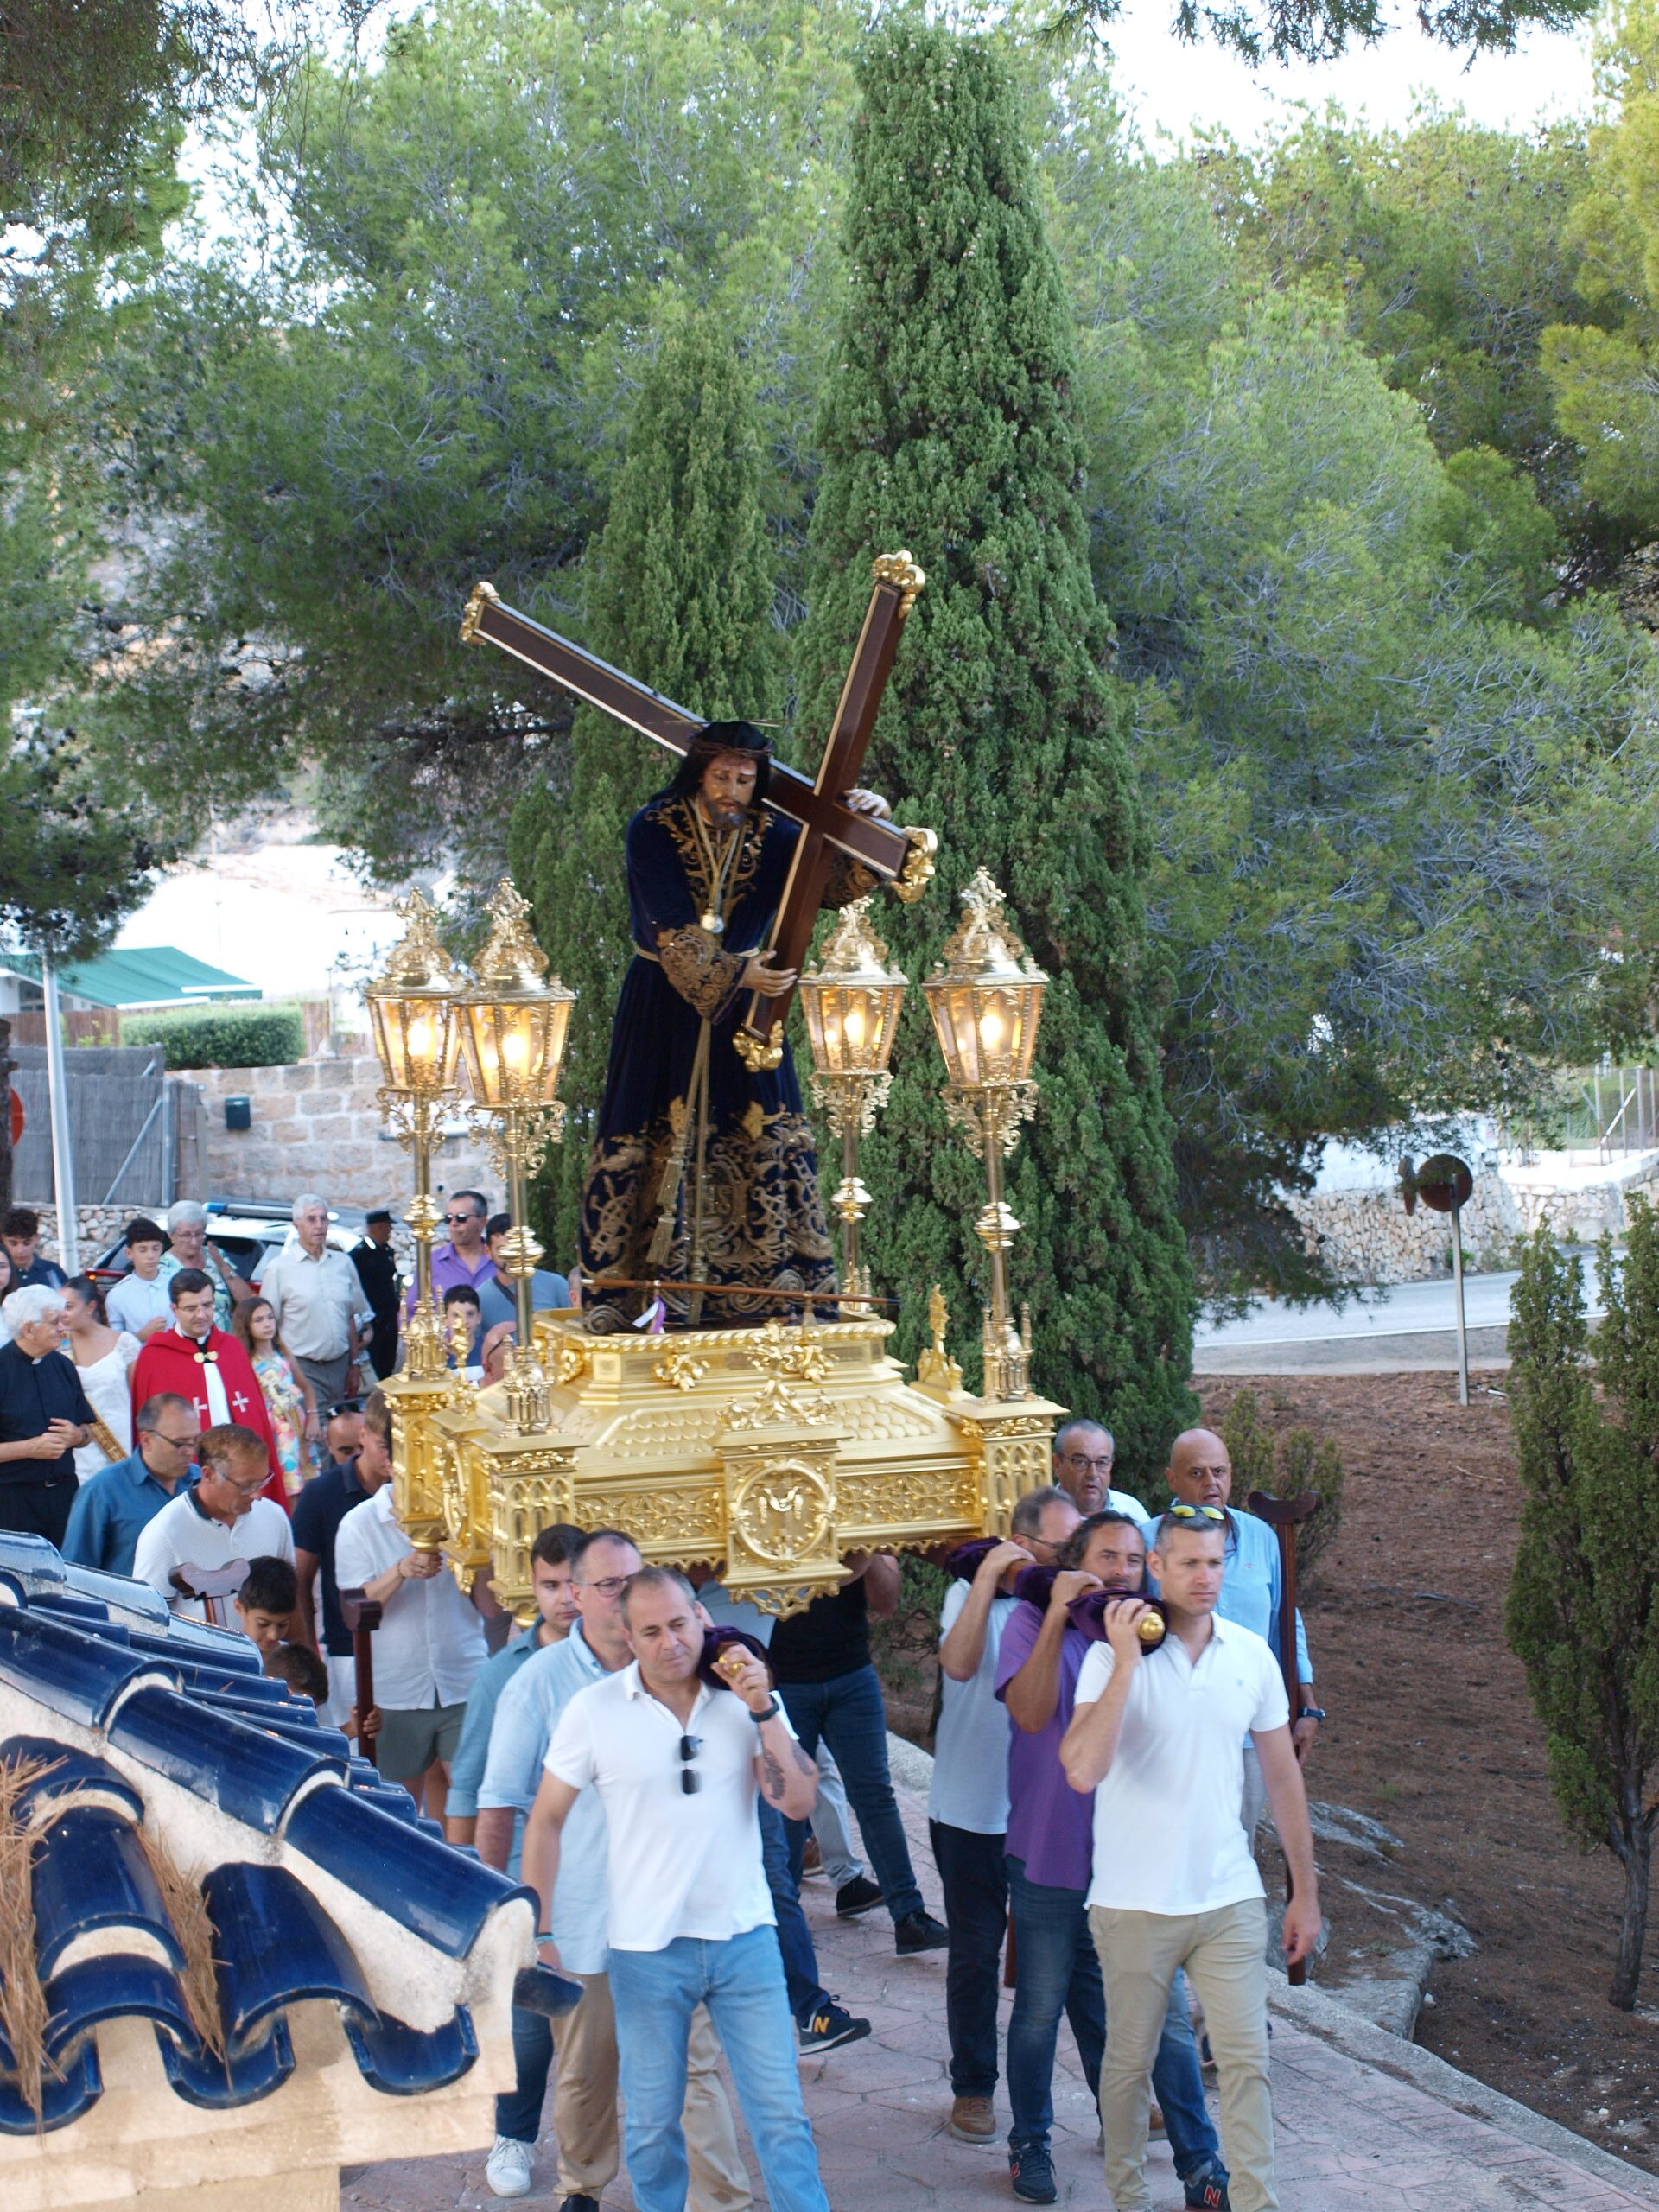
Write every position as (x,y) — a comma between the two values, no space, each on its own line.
(851,1001)
(412,1010)
(514,1021)
(985,997)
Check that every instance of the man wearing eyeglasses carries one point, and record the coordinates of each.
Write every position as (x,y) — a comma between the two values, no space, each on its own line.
(1200,1473)
(112,1509)
(678,1766)
(584,2099)
(1083,1455)
(196,1550)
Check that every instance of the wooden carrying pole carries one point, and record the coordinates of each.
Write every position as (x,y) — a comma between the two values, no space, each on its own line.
(362,1617)
(1283,1516)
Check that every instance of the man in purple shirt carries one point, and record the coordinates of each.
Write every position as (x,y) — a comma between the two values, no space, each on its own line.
(464,1260)
(1050,1861)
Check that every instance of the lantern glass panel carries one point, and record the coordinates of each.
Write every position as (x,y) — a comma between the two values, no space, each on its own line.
(416,1039)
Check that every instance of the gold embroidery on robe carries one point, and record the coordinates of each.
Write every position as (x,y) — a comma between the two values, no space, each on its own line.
(703,975)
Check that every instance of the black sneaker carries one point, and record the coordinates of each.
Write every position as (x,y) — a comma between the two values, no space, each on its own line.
(857,1896)
(1030,2172)
(579,2203)
(828,2025)
(1207,2192)
(919,1931)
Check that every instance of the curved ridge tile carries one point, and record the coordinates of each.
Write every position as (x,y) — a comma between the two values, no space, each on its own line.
(68,1774)
(39,1563)
(90,1874)
(239,2078)
(133,1602)
(122,1987)
(253,1777)
(276,1947)
(416,1879)
(74,2088)
(71,1672)
(404,2062)
(65,1605)
(200,1670)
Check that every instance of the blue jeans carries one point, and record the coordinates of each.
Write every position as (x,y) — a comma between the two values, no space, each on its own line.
(518,2114)
(977,1909)
(806,1991)
(1056,1970)
(741,1982)
(847,1711)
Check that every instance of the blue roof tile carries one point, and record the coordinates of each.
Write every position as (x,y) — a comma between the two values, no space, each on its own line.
(189,1703)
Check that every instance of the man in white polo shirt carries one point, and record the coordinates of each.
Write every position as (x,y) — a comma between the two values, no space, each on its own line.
(1159,1738)
(677,1766)
(429,1645)
(197,1548)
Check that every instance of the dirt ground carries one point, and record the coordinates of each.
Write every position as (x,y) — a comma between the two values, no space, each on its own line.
(1431,1734)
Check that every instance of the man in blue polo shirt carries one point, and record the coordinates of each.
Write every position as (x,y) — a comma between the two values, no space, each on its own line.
(117,1502)
(1200,1473)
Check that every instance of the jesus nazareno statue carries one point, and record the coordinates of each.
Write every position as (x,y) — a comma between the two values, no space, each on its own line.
(702,1170)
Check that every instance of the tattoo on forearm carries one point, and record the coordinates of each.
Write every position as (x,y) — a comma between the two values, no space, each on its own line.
(771,1776)
(802,1761)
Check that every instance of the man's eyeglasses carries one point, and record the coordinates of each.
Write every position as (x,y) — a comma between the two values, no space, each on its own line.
(610,1583)
(1103,1465)
(452,1220)
(1213,1516)
(689,1747)
(178,1443)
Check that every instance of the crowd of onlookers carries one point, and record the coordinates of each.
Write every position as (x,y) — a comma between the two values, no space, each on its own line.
(666,1765)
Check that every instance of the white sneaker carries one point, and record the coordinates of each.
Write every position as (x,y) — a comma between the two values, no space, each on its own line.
(508,2170)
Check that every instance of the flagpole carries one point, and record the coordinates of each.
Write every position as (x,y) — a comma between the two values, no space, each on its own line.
(63,1165)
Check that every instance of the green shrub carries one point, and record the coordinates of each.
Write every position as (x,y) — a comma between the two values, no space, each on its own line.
(1284,1466)
(221,1036)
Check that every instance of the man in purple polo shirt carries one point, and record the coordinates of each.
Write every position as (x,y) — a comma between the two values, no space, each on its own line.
(1050,1864)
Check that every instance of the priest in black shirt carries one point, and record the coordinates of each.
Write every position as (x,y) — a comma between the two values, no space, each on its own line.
(821,1662)
(44,1416)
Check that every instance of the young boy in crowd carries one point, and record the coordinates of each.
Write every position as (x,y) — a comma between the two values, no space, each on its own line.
(265,1605)
(298,1666)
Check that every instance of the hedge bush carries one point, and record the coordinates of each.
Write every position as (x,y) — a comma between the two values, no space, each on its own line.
(221,1036)
(1285,1465)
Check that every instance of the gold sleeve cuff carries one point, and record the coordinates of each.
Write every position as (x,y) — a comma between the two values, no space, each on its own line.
(700,971)
(848,880)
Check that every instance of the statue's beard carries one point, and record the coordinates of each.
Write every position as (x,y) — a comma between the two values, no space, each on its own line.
(726,816)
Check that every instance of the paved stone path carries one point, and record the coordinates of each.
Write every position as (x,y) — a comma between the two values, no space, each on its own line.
(1365,2123)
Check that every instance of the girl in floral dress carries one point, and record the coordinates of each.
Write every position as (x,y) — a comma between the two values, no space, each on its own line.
(288,1398)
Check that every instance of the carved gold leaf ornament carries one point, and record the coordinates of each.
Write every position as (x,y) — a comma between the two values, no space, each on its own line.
(680,1368)
(783,1512)
(904,572)
(482,595)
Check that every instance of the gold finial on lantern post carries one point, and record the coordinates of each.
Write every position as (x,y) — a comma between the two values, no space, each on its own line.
(985,996)
(851,1001)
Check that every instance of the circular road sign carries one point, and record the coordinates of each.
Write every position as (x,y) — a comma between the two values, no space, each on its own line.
(1444,1182)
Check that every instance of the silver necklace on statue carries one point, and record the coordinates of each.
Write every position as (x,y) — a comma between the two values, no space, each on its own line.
(712,920)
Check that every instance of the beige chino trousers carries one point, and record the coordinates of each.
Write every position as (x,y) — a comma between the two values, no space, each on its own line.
(1225,1954)
(585,2098)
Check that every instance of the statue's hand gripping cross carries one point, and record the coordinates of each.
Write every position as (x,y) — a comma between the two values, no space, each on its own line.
(901,857)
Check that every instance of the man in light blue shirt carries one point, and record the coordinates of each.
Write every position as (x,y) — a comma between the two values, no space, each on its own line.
(550,1580)
(1200,1473)
(1084,1453)
(585,2092)
(113,1507)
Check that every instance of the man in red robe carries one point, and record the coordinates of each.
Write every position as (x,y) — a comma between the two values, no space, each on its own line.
(209,1367)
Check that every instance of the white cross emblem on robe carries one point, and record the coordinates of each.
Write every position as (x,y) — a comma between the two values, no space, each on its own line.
(201,1405)
(239,1402)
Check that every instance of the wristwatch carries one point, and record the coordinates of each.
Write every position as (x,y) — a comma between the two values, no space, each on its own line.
(1312,1713)
(761,1719)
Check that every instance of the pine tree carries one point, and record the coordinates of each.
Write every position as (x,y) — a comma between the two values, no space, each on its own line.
(948,429)
(679,593)
(1583,1609)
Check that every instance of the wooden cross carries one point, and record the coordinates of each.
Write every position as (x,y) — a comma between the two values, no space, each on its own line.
(903,858)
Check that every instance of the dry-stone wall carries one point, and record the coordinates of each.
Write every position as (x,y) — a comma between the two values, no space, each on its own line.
(1368,1236)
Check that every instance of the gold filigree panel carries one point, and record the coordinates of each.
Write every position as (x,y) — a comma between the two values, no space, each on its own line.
(901,1500)
(783,1512)
(658,1516)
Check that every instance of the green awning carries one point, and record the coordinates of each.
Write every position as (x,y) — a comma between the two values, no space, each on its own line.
(154,974)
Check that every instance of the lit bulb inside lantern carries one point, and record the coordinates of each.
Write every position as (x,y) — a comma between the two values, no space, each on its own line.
(420,1041)
(854,1027)
(992,1029)
(515,1052)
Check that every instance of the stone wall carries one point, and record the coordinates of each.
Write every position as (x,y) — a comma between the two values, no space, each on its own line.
(317,1126)
(1368,1236)
(97,1227)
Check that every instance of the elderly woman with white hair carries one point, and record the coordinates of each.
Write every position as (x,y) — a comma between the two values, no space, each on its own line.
(188,1247)
(44,1416)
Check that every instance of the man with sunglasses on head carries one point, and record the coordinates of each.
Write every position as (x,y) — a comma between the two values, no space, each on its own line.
(584,2097)
(678,1765)
(1200,1473)
(1155,1741)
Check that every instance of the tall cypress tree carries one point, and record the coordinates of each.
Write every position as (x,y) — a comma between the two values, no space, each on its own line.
(679,593)
(948,429)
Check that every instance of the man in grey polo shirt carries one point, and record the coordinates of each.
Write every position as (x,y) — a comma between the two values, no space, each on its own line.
(585,2091)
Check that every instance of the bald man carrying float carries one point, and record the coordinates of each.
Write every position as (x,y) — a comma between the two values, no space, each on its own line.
(1200,1473)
